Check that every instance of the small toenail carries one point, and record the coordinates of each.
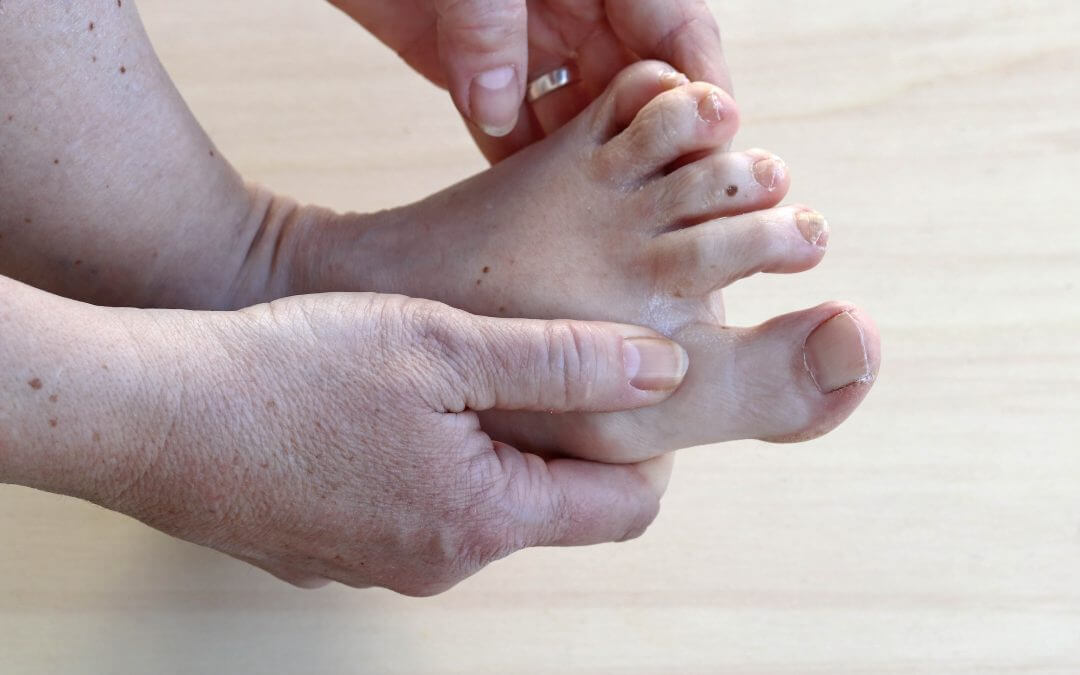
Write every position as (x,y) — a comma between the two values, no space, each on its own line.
(711,109)
(814,227)
(769,172)
(835,354)
(672,79)
(655,364)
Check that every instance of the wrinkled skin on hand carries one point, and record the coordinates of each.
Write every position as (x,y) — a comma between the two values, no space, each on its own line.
(332,438)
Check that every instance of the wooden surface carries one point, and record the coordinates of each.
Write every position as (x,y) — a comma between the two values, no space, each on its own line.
(937,532)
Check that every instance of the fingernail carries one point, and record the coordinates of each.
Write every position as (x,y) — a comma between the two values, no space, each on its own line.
(835,354)
(672,79)
(495,100)
(814,227)
(769,172)
(655,364)
(711,108)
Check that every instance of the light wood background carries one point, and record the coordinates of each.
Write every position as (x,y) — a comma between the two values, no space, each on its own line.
(937,532)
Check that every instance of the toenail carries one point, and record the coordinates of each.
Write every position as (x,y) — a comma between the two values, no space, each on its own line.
(768,172)
(835,354)
(672,79)
(655,364)
(711,108)
(814,227)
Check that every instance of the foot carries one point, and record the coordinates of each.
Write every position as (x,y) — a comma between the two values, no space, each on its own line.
(630,213)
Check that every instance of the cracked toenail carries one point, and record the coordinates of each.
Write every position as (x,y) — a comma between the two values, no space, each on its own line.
(655,364)
(835,354)
(711,108)
(768,172)
(672,79)
(814,227)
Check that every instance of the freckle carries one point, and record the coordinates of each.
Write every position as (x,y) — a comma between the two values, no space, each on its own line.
(119,3)
(10,118)
(478,282)
(212,153)
(154,254)
(123,70)
(91,25)
(93,59)
(28,221)
(97,437)
(271,404)
(678,294)
(502,310)
(56,161)
(53,423)
(77,263)
(54,398)
(35,383)
(104,366)
(486,270)
(732,190)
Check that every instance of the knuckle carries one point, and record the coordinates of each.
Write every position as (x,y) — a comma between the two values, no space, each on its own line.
(570,359)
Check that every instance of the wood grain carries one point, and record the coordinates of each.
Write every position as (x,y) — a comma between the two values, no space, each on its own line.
(938,531)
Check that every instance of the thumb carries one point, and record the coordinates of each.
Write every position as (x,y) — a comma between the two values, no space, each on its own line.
(484,49)
(552,366)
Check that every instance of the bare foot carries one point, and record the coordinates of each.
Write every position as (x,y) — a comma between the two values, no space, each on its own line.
(631,214)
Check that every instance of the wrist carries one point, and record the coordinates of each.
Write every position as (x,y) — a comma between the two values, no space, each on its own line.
(87,403)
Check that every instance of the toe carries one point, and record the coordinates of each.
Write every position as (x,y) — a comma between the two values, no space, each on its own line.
(692,118)
(718,185)
(694,261)
(630,91)
(793,378)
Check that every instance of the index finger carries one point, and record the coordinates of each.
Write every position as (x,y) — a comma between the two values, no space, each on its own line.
(682,32)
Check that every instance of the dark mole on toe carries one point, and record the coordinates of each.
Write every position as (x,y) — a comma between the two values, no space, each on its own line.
(35,384)
(732,190)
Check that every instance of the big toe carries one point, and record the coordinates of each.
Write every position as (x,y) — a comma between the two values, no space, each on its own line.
(793,378)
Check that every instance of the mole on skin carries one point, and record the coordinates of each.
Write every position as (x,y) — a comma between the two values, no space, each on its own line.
(732,190)
(35,384)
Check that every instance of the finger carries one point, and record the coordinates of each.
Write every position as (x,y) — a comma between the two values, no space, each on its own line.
(496,149)
(555,366)
(595,66)
(681,32)
(484,48)
(569,502)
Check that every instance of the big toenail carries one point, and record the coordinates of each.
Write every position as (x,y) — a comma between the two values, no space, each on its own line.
(711,108)
(814,227)
(672,79)
(768,172)
(655,364)
(835,354)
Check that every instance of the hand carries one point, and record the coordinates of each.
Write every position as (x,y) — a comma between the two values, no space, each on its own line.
(486,51)
(333,437)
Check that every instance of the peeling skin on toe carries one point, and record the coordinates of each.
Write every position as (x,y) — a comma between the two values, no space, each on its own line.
(672,79)
(711,108)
